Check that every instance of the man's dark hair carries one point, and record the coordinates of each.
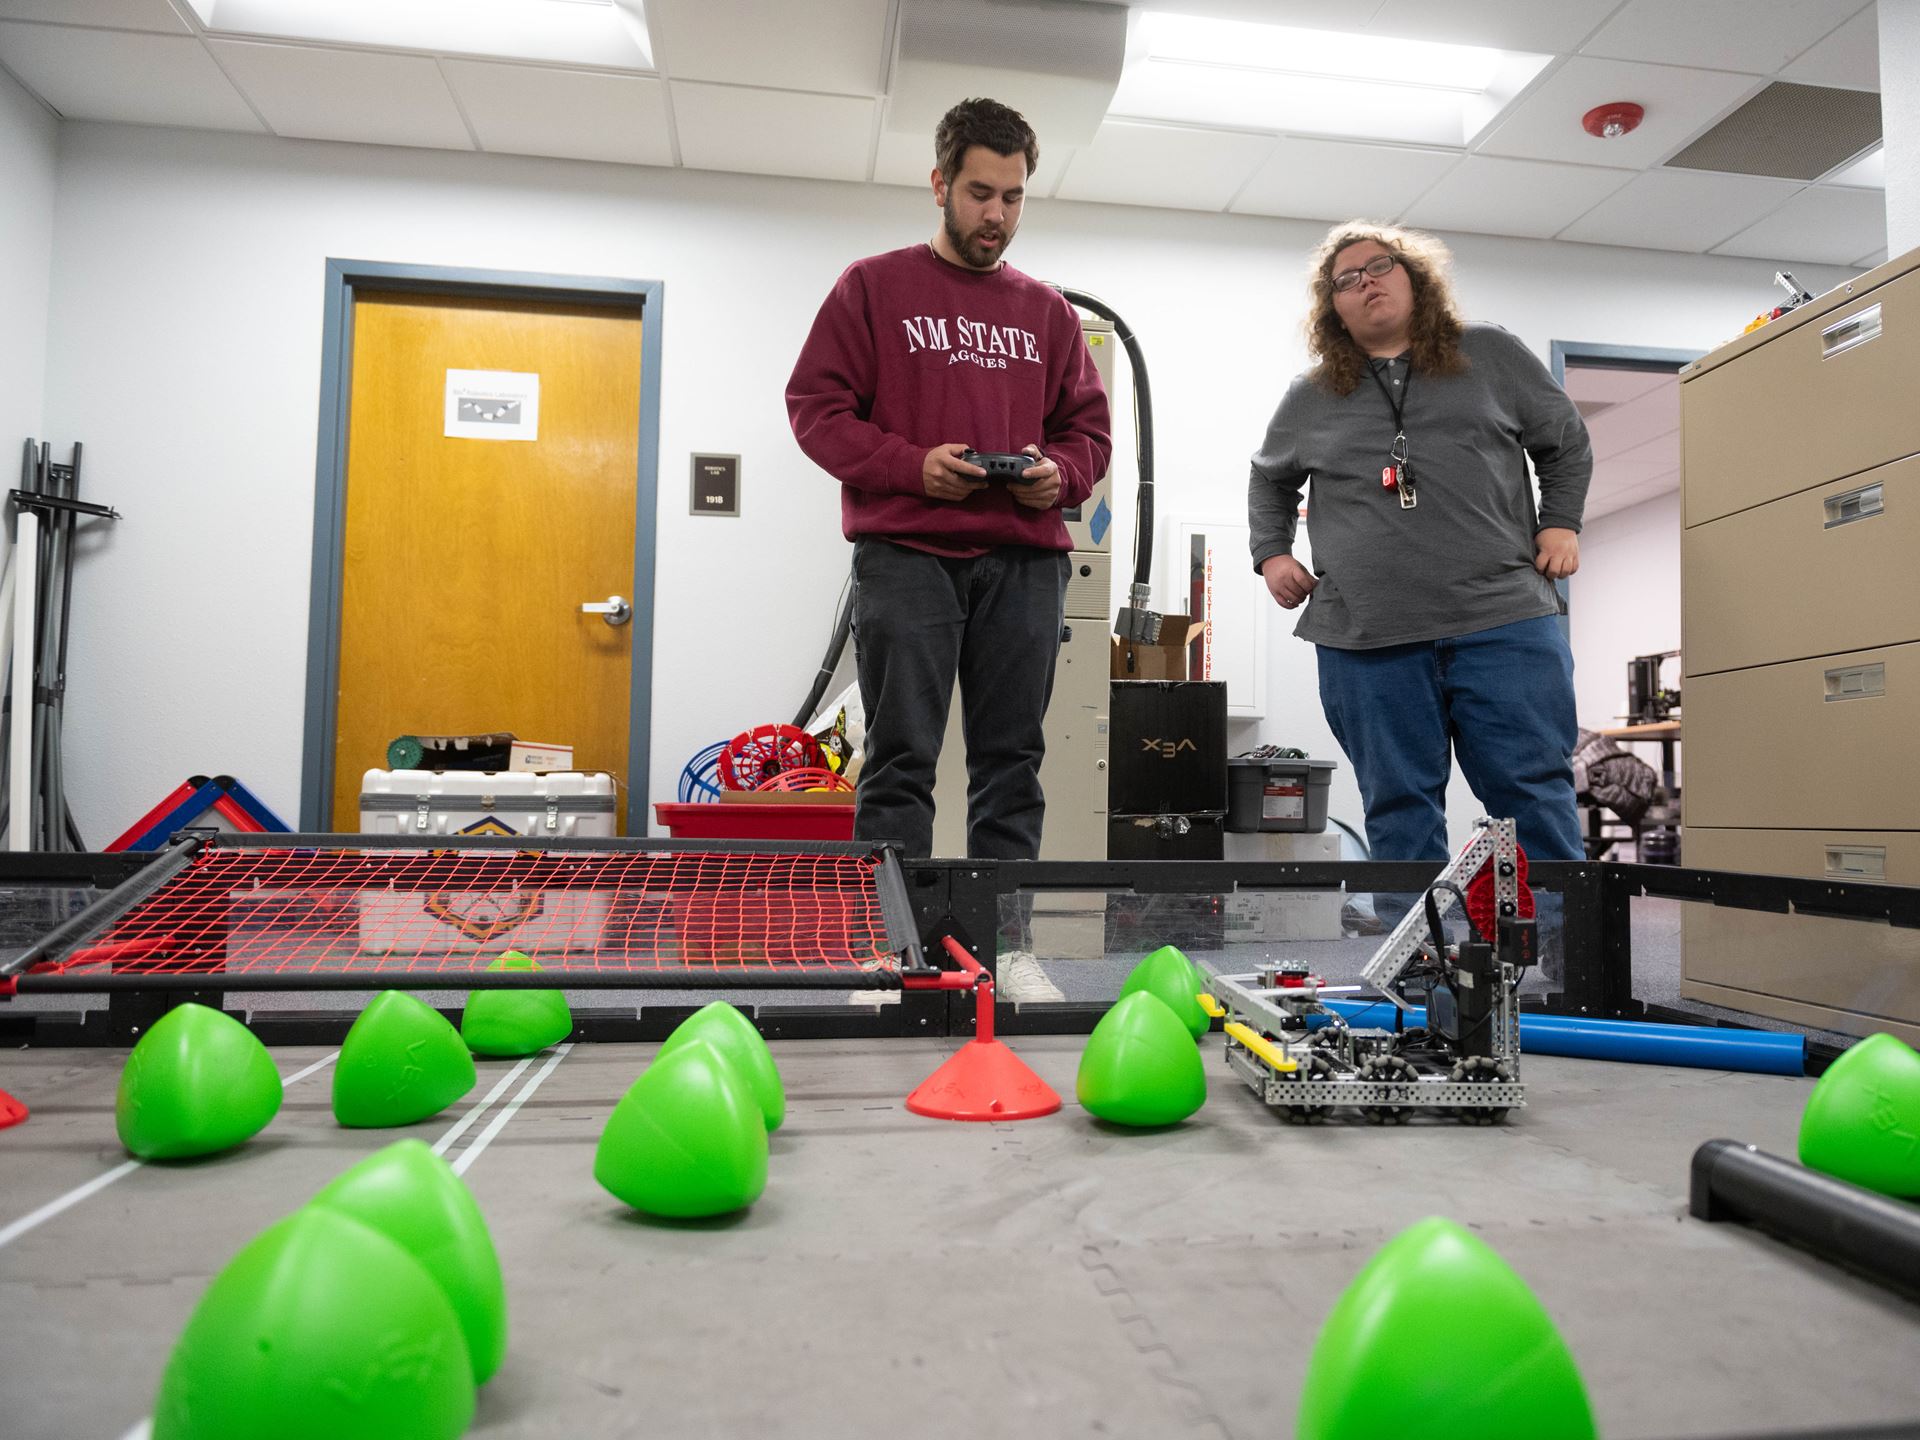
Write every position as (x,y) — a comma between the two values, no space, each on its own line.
(1000,128)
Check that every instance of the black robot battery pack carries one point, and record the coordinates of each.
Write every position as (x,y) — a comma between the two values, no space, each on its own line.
(1001,466)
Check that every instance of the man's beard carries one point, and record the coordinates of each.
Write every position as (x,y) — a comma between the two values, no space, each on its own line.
(979,256)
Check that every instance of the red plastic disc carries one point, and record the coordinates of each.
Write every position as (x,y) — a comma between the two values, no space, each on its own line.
(12,1111)
(1482,909)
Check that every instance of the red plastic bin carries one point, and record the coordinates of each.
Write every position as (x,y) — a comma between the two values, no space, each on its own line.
(747,820)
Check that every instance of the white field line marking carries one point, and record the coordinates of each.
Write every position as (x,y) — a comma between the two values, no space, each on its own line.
(300,1075)
(100,1182)
(498,1123)
(73,1197)
(474,1112)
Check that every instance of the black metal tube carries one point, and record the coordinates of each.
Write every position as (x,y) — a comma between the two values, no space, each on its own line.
(1876,1236)
(667,978)
(896,911)
(1142,427)
(104,911)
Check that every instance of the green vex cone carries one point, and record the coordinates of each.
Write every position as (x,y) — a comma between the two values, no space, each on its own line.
(1862,1121)
(319,1328)
(1503,1374)
(401,1062)
(1168,974)
(198,1081)
(686,1139)
(1140,1066)
(733,1035)
(514,1022)
(410,1195)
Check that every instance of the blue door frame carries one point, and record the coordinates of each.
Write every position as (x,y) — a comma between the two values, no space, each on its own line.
(345,280)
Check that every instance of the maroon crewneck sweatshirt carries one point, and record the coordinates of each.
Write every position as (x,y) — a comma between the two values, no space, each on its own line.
(909,352)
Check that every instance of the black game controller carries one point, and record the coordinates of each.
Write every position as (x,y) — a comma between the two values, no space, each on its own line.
(1000,465)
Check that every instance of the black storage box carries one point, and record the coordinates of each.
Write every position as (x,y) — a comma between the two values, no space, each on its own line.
(1167,747)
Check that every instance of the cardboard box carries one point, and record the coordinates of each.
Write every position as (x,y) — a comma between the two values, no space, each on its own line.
(1162,658)
(533,756)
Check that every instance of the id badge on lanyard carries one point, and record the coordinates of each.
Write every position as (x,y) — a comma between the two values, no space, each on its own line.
(1397,474)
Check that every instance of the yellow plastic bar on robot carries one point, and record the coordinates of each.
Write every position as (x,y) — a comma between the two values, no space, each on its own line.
(1215,1010)
(1261,1046)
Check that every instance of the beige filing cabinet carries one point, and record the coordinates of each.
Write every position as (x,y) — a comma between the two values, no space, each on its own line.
(1074,773)
(1800,637)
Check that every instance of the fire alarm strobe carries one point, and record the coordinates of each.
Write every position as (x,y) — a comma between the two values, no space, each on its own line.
(1612,120)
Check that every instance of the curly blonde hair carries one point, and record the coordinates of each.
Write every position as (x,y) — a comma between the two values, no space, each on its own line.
(1339,364)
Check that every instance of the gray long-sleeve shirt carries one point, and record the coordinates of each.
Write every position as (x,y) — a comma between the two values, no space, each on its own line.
(1462,559)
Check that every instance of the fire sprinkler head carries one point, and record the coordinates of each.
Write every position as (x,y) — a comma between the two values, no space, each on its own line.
(1612,120)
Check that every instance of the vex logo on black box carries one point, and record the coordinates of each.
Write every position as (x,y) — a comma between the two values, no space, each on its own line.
(1166,749)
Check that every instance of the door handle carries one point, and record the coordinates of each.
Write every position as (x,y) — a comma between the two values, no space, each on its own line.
(616,610)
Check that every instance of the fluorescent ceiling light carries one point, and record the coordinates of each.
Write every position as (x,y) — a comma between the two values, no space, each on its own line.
(1242,75)
(1868,172)
(609,34)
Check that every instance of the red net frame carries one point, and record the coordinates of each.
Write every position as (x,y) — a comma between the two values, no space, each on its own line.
(246,917)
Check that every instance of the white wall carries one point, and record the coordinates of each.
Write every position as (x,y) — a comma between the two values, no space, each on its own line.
(1899,22)
(186,353)
(28,147)
(1625,602)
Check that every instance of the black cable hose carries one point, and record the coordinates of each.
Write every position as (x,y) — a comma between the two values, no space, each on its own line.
(842,626)
(1142,427)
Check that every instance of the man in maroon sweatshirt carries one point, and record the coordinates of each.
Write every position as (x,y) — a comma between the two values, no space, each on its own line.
(917,356)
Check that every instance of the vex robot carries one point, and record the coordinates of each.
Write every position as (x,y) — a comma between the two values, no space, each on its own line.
(1461,1056)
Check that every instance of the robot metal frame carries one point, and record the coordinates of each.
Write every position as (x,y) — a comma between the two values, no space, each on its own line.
(1301,1056)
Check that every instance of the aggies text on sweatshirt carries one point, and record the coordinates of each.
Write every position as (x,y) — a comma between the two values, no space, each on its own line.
(909,352)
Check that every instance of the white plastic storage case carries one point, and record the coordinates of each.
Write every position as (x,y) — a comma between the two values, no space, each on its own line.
(486,802)
(545,924)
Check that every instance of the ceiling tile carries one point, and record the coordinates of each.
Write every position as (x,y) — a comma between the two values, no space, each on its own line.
(1679,210)
(120,76)
(156,16)
(1822,223)
(1850,56)
(1719,34)
(1301,14)
(907,159)
(367,96)
(1164,165)
(1548,27)
(1513,197)
(832,46)
(1336,180)
(772,132)
(1545,124)
(575,114)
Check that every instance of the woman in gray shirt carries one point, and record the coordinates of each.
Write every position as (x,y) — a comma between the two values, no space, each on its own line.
(1432,601)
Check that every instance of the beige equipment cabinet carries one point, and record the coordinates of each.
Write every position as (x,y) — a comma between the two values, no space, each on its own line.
(1800,637)
(1074,774)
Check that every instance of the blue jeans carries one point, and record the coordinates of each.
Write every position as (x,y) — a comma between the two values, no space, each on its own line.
(1501,700)
(920,622)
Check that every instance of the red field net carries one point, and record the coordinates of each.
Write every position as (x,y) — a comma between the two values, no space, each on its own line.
(314,911)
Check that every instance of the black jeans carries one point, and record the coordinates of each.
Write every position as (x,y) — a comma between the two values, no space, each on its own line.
(920,621)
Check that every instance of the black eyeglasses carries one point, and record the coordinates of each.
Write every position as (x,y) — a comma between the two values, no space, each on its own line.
(1376,267)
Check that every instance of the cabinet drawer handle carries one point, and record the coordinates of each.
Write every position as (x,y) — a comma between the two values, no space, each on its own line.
(1843,335)
(1857,862)
(1857,682)
(1862,504)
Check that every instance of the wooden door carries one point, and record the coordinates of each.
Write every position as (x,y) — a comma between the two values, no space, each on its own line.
(466,560)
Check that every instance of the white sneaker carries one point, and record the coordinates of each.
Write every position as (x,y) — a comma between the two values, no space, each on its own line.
(1018,977)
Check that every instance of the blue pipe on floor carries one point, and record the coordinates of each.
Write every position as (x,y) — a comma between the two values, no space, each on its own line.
(1705,1047)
